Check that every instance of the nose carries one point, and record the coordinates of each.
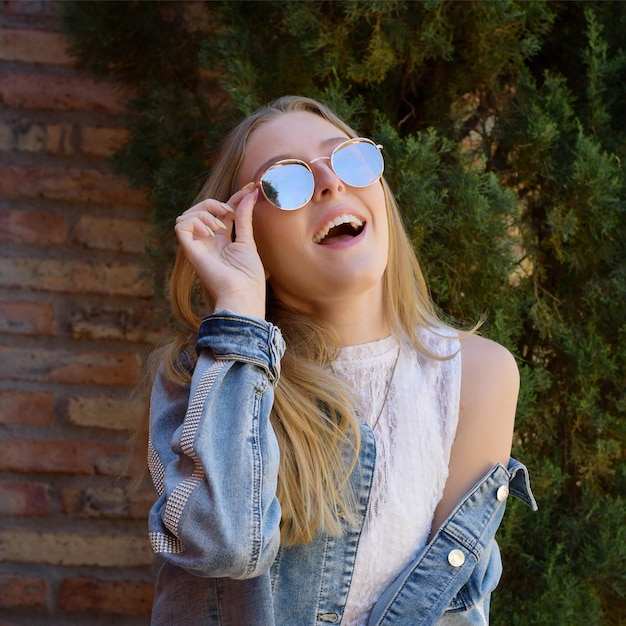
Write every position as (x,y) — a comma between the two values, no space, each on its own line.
(326,181)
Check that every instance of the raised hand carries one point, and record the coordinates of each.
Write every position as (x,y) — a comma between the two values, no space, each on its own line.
(231,271)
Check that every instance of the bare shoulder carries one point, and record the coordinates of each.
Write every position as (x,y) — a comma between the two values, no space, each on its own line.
(487,368)
(488,401)
(489,390)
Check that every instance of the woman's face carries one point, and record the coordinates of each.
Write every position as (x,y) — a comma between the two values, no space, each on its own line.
(307,268)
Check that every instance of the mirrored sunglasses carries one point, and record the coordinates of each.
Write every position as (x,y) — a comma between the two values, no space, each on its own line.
(289,184)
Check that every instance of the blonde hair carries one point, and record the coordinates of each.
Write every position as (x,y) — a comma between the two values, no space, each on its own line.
(312,415)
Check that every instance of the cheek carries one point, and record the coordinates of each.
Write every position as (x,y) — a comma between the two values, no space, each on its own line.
(378,196)
(261,236)
(375,198)
(269,234)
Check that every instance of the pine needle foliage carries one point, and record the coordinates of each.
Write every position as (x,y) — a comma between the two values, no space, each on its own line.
(503,133)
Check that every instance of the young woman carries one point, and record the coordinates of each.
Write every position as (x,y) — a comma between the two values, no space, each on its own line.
(324,448)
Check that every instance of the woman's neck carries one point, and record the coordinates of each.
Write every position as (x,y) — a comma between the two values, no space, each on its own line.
(356,318)
(359,320)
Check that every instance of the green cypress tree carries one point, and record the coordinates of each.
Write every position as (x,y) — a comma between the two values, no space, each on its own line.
(564,149)
(503,136)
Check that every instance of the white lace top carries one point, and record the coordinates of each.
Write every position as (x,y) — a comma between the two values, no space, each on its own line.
(414,431)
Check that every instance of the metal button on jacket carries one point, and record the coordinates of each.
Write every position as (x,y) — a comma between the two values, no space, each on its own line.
(333,618)
(456,558)
(503,493)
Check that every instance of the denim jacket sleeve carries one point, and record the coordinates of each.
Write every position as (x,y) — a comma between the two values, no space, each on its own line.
(213,455)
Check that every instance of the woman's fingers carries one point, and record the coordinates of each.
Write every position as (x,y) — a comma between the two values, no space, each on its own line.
(238,196)
(209,211)
(196,227)
(200,224)
(214,214)
(210,218)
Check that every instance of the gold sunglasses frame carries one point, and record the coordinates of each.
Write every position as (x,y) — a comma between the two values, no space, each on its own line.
(343,144)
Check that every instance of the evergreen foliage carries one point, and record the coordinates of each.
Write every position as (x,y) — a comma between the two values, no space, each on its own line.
(504,141)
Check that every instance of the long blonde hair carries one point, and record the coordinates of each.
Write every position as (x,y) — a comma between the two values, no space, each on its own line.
(312,415)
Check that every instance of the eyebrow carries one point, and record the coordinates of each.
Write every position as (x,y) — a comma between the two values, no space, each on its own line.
(280,157)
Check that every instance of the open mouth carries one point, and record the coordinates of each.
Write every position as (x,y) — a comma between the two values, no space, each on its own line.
(339,229)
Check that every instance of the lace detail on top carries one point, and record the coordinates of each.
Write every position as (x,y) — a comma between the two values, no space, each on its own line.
(414,435)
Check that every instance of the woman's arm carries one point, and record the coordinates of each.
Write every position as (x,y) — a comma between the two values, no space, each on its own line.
(489,390)
(215,466)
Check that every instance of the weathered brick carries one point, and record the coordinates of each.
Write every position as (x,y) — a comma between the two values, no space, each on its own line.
(64,366)
(102,412)
(101,141)
(55,139)
(23,407)
(118,234)
(16,591)
(27,318)
(66,457)
(67,184)
(107,503)
(33,227)
(132,323)
(33,46)
(122,597)
(26,135)
(60,93)
(96,277)
(37,8)
(59,139)
(7,136)
(74,550)
(24,498)
(31,138)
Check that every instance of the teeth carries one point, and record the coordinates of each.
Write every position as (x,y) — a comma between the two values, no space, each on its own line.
(355,222)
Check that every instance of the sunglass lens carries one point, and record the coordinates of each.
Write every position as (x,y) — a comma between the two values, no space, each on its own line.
(288,186)
(358,164)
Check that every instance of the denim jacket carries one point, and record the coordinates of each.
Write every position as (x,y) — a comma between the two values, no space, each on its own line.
(214,459)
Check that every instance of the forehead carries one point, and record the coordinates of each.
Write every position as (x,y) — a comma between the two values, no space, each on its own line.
(294,128)
(298,134)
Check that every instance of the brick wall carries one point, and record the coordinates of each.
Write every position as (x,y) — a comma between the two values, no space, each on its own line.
(75,318)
